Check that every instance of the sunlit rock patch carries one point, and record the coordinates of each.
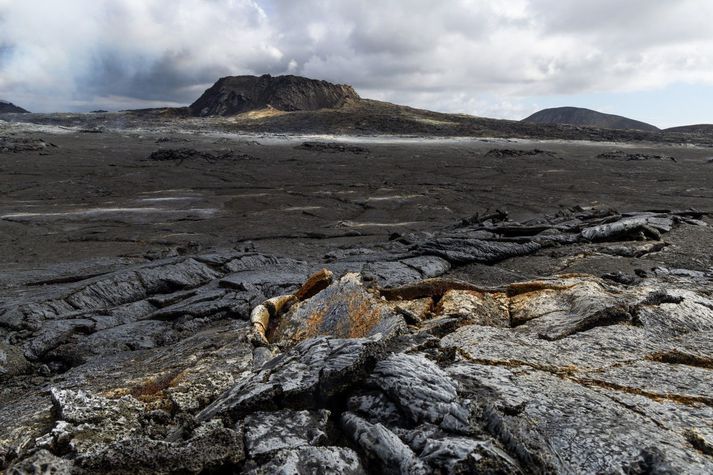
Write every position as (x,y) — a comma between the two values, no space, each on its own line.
(346,309)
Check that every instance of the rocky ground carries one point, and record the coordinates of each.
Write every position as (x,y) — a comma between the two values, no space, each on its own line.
(191,301)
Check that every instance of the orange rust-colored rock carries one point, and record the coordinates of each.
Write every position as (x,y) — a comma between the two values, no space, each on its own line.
(430,288)
(575,297)
(560,282)
(316,283)
(345,309)
(475,307)
(414,311)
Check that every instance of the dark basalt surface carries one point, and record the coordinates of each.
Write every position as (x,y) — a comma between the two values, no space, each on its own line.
(237,94)
(509,153)
(331,147)
(621,155)
(185,300)
(181,154)
(23,144)
(393,367)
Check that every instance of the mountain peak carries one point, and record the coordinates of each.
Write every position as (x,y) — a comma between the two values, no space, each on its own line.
(9,107)
(692,129)
(587,118)
(237,94)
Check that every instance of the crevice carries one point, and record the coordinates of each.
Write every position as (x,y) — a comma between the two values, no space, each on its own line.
(658,397)
(66,280)
(660,297)
(679,357)
(633,408)
(606,318)
(699,443)
(434,288)
(514,363)
(519,323)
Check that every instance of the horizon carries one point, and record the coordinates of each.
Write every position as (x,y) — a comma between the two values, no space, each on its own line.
(639,60)
(450,112)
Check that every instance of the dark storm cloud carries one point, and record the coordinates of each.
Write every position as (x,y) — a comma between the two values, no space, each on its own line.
(160,79)
(80,54)
(466,55)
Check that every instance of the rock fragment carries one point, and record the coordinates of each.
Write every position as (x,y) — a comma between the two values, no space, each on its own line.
(12,361)
(269,432)
(328,460)
(622,155)
(42,462)
(219,448)
(182,154)
(309,374)
(510,153)
(454,455)
(475,307)
(332,147)
(383,446)
(464,250)
(421,389)
(343,310)
(638,227)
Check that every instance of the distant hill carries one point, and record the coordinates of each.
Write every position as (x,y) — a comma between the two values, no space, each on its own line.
(587,118)
(294,105)
(238,94)
(8,107)
(692,129)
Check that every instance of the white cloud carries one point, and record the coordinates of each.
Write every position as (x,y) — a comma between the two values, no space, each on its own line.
(60,52)
(479,56)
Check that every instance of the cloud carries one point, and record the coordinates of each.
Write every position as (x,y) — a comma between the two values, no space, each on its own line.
(477,56)
(84,50)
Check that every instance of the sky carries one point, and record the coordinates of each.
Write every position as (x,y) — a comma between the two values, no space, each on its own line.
(649,60)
